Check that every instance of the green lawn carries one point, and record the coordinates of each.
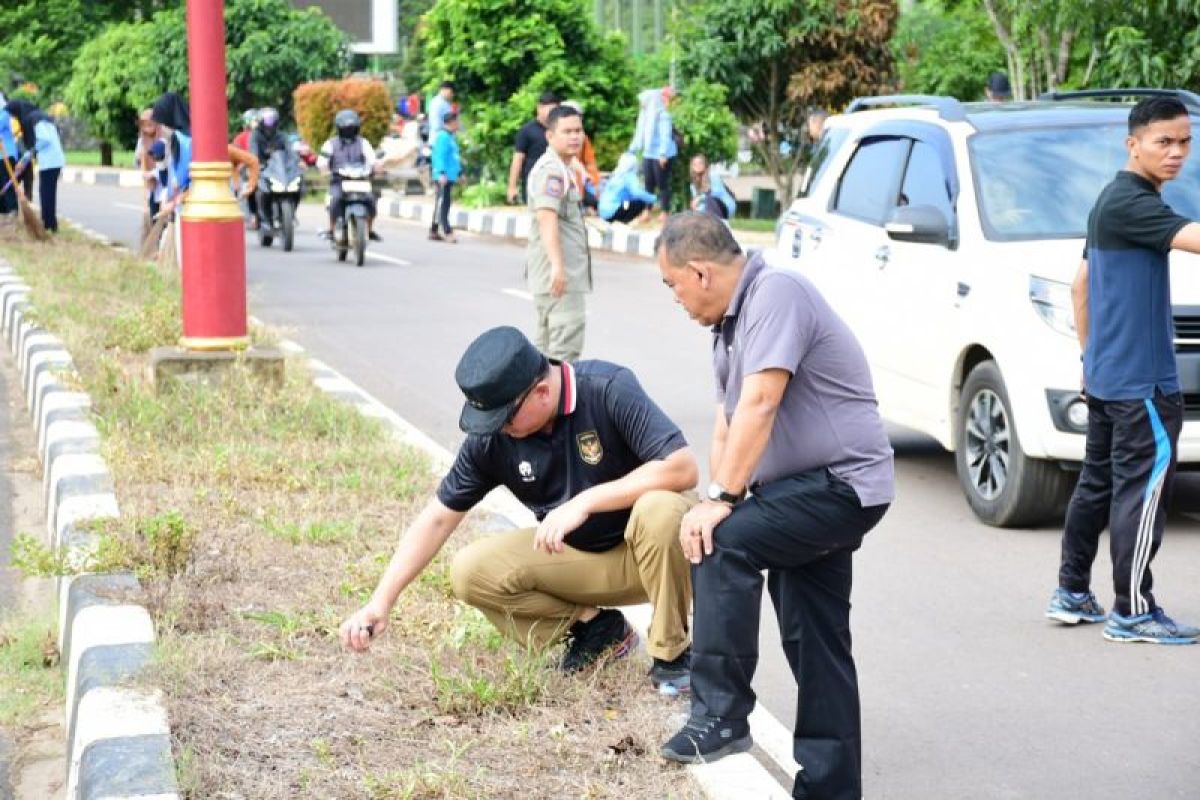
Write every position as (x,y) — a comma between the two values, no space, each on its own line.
(767,225)
(91,158)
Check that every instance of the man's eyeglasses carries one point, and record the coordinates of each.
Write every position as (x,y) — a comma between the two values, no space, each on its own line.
(516,406)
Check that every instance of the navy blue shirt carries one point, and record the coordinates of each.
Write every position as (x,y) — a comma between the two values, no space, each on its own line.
(1130,351)
(607,426)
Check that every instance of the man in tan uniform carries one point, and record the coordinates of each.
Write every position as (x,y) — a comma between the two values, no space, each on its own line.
(558,266)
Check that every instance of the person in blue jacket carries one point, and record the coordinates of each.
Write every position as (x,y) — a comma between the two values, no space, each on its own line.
(172,111)
(40,139)
(654,138)
(623,199)
(8,199)
(446,170)
(709,193)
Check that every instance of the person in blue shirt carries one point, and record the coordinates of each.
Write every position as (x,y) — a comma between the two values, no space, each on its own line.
(447,168)
(654,138)
(171,110)
(622,199)
(40,140)
(709,193)
(8,199)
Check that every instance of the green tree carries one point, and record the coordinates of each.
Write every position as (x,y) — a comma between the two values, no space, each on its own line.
(39,40)
(701,114)
(502,54)
(270,49)
(779,58)
(946,48)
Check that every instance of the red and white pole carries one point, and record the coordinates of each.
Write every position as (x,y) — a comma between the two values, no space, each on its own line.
(214,245)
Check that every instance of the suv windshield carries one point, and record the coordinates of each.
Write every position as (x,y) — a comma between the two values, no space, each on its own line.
(1041,183)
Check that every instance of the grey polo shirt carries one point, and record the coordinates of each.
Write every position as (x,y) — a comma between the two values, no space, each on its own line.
(828,416)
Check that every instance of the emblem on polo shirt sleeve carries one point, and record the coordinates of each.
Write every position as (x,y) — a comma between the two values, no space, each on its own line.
(554,186)
(590,449)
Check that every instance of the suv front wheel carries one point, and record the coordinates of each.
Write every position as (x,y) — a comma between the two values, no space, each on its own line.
(1004,487)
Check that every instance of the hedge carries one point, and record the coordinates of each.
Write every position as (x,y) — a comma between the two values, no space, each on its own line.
(318,102)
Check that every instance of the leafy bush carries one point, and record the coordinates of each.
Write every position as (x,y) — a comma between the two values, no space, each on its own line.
(484,194)
(701,114)
(317,104)
(502,55)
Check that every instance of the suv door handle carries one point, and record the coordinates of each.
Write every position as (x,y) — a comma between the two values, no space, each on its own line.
(815,235)
(882,255)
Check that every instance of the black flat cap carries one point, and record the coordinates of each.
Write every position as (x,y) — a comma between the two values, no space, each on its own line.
(493,373)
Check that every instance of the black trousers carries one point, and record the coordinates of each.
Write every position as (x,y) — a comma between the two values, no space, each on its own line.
(1125,485)
(8,200)
(441,208)
(48,197)
(803,530)
(658,181)
(629,211)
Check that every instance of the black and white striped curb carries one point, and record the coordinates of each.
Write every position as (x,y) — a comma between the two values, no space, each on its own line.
(104,176)
(736,777)
(118,740)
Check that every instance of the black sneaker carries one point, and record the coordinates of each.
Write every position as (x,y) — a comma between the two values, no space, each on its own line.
(374,237)
(606,634)
(673,677)
(705,739)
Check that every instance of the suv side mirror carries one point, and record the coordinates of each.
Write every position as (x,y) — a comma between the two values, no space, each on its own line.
(920,224)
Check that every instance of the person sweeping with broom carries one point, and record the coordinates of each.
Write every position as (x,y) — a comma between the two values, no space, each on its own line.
(41,141)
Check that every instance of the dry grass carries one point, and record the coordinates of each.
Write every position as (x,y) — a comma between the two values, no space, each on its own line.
(258,519)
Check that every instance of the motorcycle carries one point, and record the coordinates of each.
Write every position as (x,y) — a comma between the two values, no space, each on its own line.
(280,187)
(351,229)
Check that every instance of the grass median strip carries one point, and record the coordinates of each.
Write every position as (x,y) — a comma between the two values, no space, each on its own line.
(257,518)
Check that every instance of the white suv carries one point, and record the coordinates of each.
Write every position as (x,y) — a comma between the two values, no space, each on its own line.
(947,235)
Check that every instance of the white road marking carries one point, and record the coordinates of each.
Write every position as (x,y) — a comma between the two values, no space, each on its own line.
(519,294)
(130,206)
(390,259)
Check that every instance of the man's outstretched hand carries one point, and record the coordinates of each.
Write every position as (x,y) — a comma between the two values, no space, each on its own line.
(361,627)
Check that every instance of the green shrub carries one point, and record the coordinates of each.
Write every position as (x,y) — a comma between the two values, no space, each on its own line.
(318,103)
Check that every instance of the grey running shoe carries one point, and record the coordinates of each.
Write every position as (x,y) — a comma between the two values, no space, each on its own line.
(1072,608)
(1155,627)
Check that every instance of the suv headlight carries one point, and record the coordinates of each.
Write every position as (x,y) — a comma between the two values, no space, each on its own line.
(1052,302)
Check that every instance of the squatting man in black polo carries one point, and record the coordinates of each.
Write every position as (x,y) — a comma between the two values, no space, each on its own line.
(602,468)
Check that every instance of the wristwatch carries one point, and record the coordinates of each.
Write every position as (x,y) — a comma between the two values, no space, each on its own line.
(719,494)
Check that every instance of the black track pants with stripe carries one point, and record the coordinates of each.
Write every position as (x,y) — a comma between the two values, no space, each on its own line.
(1125,485)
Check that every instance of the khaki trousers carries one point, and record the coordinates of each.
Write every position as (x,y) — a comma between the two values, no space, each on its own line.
(533,597)
(560,325)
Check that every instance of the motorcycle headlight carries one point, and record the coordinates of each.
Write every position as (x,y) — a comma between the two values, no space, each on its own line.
(1052,302)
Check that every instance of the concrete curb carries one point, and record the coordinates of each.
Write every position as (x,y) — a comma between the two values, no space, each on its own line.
(118,740)
(509,224)
(732,778)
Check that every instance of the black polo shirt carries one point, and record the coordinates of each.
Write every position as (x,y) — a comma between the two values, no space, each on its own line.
(1130,348)
(607,426)
(531,140)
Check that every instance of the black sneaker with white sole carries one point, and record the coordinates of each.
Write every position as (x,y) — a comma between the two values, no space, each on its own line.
(705,739)
(607,634)
(672,677)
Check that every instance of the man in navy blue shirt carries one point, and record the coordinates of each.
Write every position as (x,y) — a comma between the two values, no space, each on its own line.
(1122,298)
(602,468)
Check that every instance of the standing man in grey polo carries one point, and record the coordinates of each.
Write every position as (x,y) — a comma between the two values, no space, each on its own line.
(558,266)
(801,470)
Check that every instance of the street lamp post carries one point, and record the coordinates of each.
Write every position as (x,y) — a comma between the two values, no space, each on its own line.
(214,247)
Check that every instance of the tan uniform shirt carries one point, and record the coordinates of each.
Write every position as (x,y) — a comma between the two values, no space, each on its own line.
(551,186)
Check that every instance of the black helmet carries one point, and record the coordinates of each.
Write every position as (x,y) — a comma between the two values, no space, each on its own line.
(347,123)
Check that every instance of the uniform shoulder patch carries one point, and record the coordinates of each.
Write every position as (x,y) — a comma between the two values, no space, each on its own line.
(554,186)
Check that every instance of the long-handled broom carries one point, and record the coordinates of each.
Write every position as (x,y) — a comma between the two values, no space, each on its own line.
(153,239)
(29,217)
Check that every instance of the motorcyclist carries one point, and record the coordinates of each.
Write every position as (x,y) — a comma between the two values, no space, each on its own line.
(266,140)
(347,148)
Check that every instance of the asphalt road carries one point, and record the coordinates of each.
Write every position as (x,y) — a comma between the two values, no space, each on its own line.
(967,691)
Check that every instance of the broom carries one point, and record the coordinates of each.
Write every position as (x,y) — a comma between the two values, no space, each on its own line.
(153,237)
(166,250)
(33,223)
